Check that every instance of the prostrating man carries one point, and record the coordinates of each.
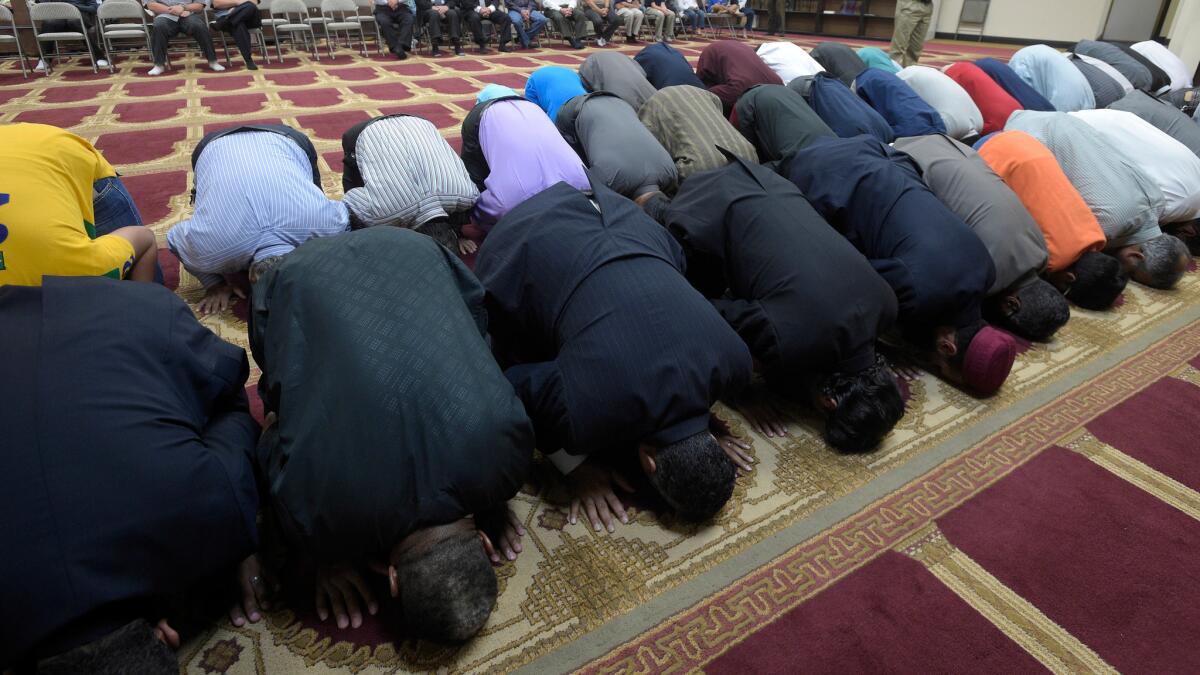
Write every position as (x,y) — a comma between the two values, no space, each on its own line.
(1125,200)
(398,170)
(1105,89)
(431,13)
(1160,81)
(1133,70)
(807,303)
(1049,72)
(48,211)
(1115,74)
(620,151)
(509,168)
(568,17)
(1074,239)
(995,104)
(125,480)
(660,14)
(844,112)
(875,57)
(551,86)
(1163,116)
(630,12)
(172,17)
(614,354)
(475,12)
(395,20)
(728,68)
(604,19)
(665,67)
(398,440)
(689,124)
(912,25)
(788,60)
(937,266)
(896,102)
(617,74)
(959,113)
(1167,61)
(243,214)
(778,122)
(1018,299)
(839,60)
(522,11)
(1019,89)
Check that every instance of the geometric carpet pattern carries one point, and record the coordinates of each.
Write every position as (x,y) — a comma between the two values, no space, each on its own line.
(920,551)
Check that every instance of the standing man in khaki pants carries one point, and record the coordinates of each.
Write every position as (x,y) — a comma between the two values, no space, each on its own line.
(912,22)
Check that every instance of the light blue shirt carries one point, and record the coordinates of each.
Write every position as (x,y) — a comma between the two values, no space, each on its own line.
(255,199)
(1054,76)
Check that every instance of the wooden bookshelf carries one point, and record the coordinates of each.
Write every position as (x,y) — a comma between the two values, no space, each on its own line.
(836,18)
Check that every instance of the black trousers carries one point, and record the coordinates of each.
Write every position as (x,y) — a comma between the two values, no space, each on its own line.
(604,26)
(192,24)
(500,22)
(396,26)
(69,26)
(433,23)
(776,9)
(238,23)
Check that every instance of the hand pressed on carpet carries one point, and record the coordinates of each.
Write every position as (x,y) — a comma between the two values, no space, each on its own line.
(593,488)
(219,298)
(254,592)
(342,588)
(502,527)
(737,450)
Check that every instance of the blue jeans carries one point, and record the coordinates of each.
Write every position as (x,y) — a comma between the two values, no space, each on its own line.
(536,21)
(749,13)
(114,209)
(694,18)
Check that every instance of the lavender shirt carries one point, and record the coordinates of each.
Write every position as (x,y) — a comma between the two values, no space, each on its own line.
(525,155)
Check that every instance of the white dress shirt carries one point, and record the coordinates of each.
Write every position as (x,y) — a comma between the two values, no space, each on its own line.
(962,117)
(1167,161)
(1181,77)
(788,60)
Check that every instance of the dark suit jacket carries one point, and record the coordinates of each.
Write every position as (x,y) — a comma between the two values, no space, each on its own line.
(778,121)
(125,475)
(612,346)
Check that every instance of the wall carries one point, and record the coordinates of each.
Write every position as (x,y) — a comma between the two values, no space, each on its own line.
(1055,20)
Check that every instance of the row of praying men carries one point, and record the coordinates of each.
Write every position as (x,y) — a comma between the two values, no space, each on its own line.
(654,236)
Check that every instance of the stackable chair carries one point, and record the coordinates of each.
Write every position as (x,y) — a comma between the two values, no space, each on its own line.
(57,11)
(121,20)
(295,21)
(341,16)
(8,34)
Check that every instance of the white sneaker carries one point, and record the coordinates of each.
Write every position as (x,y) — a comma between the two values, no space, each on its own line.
(101,63)
(216,67)
(40,67)
(157,70)
(600,42)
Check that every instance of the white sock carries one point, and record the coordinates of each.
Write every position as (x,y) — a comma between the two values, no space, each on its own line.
(101,63)
(157,70)
(41,65)
(216,67)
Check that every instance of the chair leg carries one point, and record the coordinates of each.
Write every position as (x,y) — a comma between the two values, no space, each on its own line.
(224,45)
(21,57)
(108,54)
(362,40)
(43,59)
(91,56)
(329,43)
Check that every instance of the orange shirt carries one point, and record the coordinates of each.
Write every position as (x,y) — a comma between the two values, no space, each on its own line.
(1031,171)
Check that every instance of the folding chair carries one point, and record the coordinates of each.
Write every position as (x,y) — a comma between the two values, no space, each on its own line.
(368,17)
(57,11)
(269,21)
(129,22)
(295,22)
(340,17)
(7,24)
(318,20)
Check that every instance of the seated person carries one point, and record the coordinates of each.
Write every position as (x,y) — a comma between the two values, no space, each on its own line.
(664,66)
(244,214)
(475,12)
(959,113)
(688,123)
(395,19)
(663,17)
(374,344)
(430,14)
(87,10)
(896,102)
(172,17)
(1124,199)
(1049,72)
(569,18)
(522,11)
(995,105)
(778,121)
(238,18)
(744,14)
(1162,116)
(509,168)
(630,12)
(615,355)
(398,170)
(604,19)
(729,67)
(844,112)
(1018,299)
(1012,84)
(64,212)
(620,151)
(875,57)
(937,266)
(551,86)
(788,60)
(839,60)
(780,275)
(617,74)
(126,481)
(1073,236)
(690,13)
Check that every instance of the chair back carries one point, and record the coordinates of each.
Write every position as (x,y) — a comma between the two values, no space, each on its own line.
(289,9)
(336,8)
(6,16)
(54,11)
(120,9)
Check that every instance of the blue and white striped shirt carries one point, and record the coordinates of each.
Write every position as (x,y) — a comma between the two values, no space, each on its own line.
(255,199)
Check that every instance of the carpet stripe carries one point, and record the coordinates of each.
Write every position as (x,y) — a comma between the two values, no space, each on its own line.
(1127,468)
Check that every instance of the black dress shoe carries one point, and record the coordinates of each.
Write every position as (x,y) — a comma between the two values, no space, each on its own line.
(505,48)
(484,50)
(250,65)
(401,54)
(436,51)
(458,50)
(576,44)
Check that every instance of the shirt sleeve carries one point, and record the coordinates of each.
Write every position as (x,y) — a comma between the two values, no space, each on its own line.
(752,324)
(540,388)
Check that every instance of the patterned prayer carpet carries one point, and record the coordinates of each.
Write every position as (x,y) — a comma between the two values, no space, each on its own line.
(1051,526)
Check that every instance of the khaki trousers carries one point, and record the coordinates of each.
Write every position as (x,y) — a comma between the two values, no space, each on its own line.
(912,22)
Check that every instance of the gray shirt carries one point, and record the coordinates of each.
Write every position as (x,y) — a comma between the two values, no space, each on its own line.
(1166,117)
(617,73)
(965,183)
(1125,200)
(620,151)
(1137,74)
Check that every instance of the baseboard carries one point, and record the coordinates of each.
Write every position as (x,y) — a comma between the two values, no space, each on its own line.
(1061,44)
